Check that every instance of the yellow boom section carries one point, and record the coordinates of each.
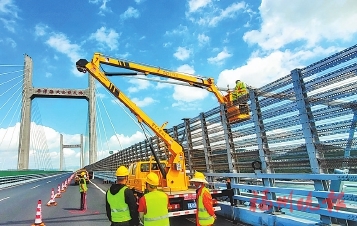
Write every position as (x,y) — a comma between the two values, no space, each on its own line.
(176,178)
(235,113)
(194,81)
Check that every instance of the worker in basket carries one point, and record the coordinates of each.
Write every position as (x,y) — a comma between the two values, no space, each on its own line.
(121,206)
(153,206)
(205,214)
(239,90)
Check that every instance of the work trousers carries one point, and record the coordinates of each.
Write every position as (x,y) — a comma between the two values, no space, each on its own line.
(83,199)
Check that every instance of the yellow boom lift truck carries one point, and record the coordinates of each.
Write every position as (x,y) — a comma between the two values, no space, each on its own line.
(172,172)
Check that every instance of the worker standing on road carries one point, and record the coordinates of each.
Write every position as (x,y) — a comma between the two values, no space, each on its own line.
(121,206)
(153,206)
(205,213)
(83,189)
(239,90)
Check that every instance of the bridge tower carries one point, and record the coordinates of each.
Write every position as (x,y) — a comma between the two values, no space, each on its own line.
(30,92)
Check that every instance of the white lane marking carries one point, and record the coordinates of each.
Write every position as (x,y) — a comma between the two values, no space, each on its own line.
(35,186)
(48,182)
(4,199)
(98,187)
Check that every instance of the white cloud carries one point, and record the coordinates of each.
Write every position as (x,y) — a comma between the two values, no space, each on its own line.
(139,84)
(62,44)
(103,8)
(143,103)
(167,44)
(182,53)
(139,1)
(203,39)
(187,93)
(49,152)
(181,30)
(260,70)
(221,56)
(316,21)
(8,7)
(125,141)
(187,106)
(162,85)
(194,5)
(100,95)
(213,15)
(229,12)
(9,24)
(40,29)
(108,37)
(130,13)
(186,69)
(9,42)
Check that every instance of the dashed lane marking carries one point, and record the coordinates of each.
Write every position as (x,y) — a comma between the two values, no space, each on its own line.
(35,186)
(4,199)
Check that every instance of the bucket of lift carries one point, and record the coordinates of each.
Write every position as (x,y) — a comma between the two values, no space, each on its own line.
(238,110)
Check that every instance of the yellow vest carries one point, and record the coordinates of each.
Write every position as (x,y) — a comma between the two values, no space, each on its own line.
(203,216)
(156,209)
(240,89)
(84,185)
(119,209)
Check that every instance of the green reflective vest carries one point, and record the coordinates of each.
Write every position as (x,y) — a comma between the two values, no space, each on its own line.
(119,209)
(240,89)
(156,209)
(203,216)
(84,185)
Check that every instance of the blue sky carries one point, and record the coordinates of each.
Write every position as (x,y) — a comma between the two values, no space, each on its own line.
(255,41)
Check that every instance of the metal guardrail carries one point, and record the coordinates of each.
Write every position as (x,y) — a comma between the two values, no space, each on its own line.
(107,176)
(295,195)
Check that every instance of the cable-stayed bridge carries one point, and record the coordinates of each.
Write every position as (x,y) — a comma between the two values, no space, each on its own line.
(302,131)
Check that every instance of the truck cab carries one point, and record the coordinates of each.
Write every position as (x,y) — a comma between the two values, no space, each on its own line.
(138,172)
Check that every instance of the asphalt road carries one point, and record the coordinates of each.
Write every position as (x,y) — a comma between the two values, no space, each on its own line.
(18,205)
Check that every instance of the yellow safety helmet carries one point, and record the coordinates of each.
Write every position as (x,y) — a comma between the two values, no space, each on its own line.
(83,173)
(199,177)
(152,179)
(122,171)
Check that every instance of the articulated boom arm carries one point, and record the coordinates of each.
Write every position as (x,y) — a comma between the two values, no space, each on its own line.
(235,113)
(176,178)
(193,81)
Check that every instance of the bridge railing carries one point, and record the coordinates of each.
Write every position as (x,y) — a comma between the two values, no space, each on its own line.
(296,194)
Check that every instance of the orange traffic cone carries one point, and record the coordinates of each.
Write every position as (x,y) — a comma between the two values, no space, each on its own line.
(58,195)
(52,201)
(38,218)
(63,189)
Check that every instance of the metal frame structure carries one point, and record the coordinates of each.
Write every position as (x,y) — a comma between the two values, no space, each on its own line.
(30,92)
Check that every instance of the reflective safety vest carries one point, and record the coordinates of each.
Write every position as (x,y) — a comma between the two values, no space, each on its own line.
(156,209)
(119,209)
(240,89)
(84,185)
(203,216)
